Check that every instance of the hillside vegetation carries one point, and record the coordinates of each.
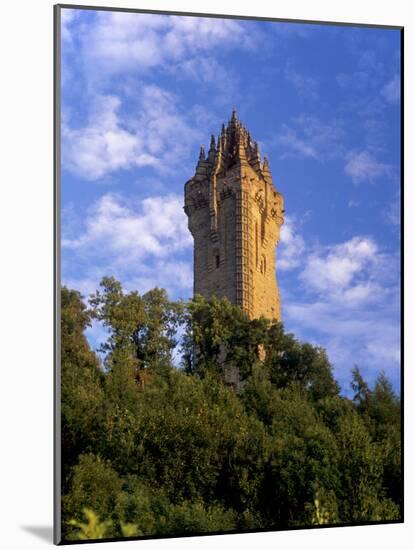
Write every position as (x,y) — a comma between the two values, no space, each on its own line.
(152,449)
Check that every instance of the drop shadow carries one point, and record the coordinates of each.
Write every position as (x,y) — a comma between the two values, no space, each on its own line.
(43,532)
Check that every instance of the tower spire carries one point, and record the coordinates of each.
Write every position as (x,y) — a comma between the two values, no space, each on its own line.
(235,214)
(255,158)
(201,164)
(212,151)
(266,170)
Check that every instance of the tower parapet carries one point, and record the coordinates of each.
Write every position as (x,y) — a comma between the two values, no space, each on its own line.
(235,214)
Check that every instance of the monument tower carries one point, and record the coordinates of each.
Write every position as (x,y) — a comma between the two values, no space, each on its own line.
(235,214)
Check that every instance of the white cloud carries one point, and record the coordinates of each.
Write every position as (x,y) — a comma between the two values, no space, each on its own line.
(363,166)
(122,230)
(309,137)
(291,247)
(387,349)
(86,284)
(364,336)
(175,276)
(131,45)
(348,302)
(119,42)
(142,243)
(104,145)
(392,90)
(112,141)
(334,270)
(349,273)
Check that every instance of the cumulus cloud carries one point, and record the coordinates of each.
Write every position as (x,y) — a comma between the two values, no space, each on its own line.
(350,273)
(136,46)
(291,247)
(143,243)
(336,267)
(104,144)
(119,42)
(122,230)
(362,166)
(348,302)
(111,141)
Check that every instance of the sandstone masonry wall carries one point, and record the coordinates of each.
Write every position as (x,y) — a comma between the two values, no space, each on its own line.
(235,214)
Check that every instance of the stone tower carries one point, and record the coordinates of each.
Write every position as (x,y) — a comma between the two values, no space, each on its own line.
(234,214)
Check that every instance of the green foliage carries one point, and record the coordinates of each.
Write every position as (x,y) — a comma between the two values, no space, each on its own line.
(141,327)
(218,333)
(82,383)
(381,412)
(93,529)
(94,485)
(196,517)
(324,509)
(291,361)
(150,449)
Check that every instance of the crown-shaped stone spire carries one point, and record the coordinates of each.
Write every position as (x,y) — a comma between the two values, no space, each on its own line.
(234,146)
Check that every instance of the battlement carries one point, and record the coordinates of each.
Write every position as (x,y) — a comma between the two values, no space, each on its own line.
(234,214)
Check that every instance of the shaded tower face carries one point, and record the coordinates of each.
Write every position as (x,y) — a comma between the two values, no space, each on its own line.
(234,214)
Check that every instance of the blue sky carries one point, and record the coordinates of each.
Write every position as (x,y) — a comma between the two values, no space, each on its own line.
(141,93)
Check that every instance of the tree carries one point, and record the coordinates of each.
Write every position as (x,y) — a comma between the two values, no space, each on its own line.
(94,485)
(290,361)
(81,382)
(381,411)
(153,449)
(143,327)
(219,334)
(361,492)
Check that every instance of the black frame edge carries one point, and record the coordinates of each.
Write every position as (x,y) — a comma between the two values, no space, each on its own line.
(228,16)
(57,474)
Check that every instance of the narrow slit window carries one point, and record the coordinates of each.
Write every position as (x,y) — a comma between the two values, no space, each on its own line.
(217,261)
